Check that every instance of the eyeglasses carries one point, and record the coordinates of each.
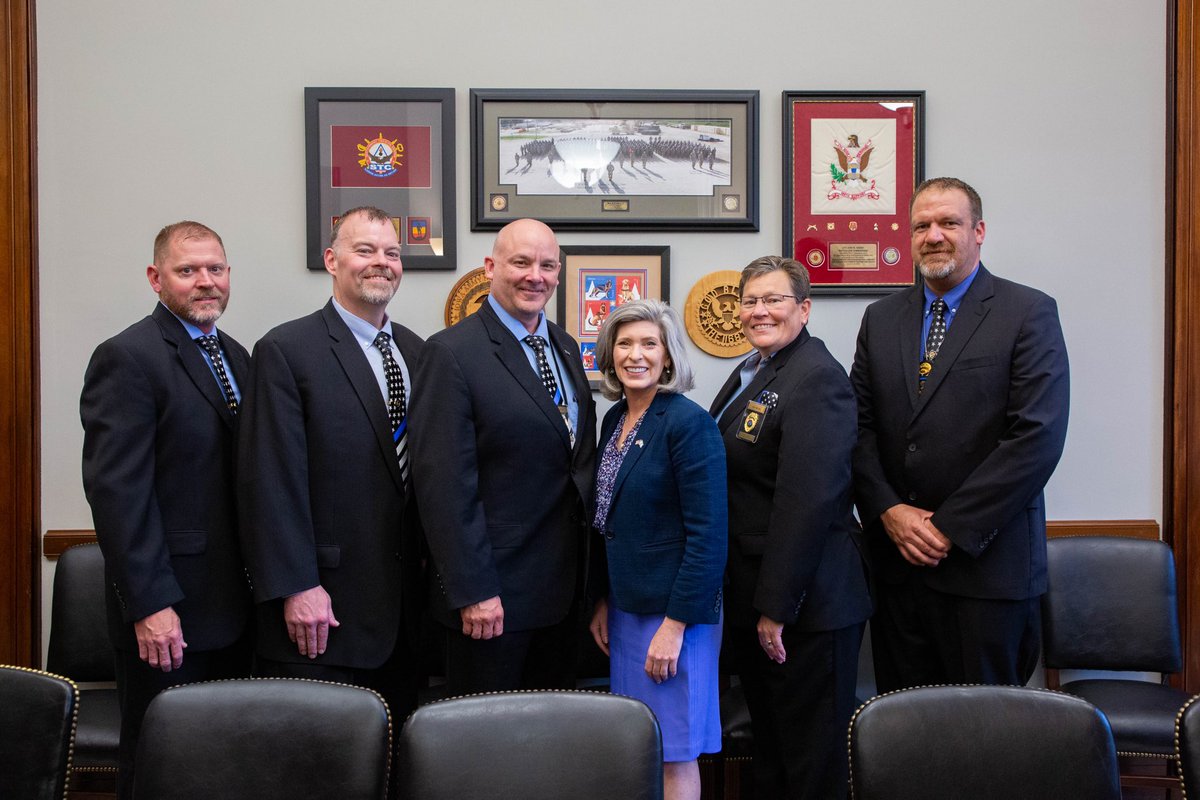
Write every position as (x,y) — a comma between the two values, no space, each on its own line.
(771,301)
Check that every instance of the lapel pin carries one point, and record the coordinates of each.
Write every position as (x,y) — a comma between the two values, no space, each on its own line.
(640,443)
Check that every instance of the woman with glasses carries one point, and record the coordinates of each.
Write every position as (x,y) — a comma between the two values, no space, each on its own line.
(797,597)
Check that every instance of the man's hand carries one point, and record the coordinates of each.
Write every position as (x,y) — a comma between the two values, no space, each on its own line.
(599,626)
(483,620)
(770,639)
(309,616)
(914,535)
(160,640)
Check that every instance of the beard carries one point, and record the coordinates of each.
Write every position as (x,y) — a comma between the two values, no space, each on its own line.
(190,310)
(377,294)
(944,269)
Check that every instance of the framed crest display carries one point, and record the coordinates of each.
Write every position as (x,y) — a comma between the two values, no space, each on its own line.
(851,162)
(595,280)
(582,160)
(390,148)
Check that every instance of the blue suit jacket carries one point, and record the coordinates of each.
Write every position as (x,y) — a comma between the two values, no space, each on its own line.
(666,528)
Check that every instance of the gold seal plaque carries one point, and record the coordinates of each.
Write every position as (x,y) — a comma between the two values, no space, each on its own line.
(711,315)
(467,296)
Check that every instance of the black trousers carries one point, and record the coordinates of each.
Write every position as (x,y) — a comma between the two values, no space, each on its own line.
(799,710)
(138,683)
(920,636)
(539,658)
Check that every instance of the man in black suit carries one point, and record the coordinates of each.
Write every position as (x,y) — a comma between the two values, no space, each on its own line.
(324,483)
(504,434)
(159,406)
(963,394)
(797,596)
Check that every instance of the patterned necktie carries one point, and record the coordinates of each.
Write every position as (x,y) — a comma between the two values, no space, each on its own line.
(213,348)
(933,342)
(397,404)
(547,375)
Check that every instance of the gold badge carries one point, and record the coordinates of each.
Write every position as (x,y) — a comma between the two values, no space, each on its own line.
(711,315)
(924,369)
(752,421)
(467,296)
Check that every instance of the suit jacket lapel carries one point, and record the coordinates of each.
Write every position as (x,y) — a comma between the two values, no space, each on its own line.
(726,391)
(766,374)
(512,355)
(349,354)
(195,364)
(967,319)
(645,435)
(909,341)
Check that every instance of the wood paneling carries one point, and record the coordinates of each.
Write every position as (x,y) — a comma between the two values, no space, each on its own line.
(1133,528)
(19,465)
(1182,391)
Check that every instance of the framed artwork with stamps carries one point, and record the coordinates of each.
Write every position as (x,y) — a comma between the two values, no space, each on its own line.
(597,279)
(851,162)
(599,159)
(389,148)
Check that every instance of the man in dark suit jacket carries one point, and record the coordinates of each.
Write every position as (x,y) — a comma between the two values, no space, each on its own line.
(158,417)
(329,528)
(797,598)
(504,442)
(957,438)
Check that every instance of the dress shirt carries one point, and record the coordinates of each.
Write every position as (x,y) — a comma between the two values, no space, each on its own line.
(365,333)
(195,333)
(953,300)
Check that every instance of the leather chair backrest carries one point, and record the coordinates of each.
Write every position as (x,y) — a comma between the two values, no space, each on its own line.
(79,644)
(983,743)
(1110,605)
(530,745)
(37,728)
(1187,747)
(264,739)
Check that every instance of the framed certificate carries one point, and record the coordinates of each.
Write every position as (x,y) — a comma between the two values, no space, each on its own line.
(851,163)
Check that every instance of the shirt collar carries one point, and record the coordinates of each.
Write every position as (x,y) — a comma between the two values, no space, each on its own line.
(364,332)
(514,325)
(953,297)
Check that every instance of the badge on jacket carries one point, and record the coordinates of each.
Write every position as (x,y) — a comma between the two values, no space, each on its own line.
(755,415)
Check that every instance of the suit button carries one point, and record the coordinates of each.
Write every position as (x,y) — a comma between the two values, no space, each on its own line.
(609,535)
(912,447)
(912,497)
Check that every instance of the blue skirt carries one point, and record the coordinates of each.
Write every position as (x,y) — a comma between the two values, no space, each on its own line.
(688,705)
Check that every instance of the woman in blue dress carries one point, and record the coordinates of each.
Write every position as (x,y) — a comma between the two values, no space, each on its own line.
(661,513)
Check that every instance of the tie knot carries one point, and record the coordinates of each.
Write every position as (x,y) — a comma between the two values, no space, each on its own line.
(938,307)
(383,341)
(536,342)
(209,343)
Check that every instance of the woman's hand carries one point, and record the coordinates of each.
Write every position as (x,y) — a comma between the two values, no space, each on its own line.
(662,659)
(599,626)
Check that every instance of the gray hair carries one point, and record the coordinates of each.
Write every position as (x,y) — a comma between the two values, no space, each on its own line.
(678,379)
(796,273)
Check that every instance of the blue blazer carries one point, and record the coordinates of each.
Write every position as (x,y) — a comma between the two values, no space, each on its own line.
(665,536)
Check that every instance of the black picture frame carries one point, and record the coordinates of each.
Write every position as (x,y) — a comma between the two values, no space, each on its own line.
(596,184)
(413,129)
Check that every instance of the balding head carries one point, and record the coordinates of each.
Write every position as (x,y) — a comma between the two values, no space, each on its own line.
(523,269)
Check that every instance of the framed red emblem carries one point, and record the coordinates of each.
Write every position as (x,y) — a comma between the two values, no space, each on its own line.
(851,163)
(391,148)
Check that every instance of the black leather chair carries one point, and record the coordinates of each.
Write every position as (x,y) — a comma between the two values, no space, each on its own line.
(1111,606)
(80,650)
(982,743)
(37,729)
(264,739)
(531,745)
(1187,747)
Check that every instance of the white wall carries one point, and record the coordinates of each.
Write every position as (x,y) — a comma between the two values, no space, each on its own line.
(151,111)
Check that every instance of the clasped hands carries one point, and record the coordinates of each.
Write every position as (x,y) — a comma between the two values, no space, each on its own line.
(912,530)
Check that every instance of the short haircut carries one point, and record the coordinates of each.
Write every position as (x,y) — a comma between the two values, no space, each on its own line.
(945,185)
(681,379)
(185,229)
(372,214)
(796,273)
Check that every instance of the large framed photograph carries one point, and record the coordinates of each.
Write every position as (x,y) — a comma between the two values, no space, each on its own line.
(583,160)
(851,162)
(390,148)
(595,280)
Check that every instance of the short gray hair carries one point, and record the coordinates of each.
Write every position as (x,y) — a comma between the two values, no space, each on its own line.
(796,273)
(678,379)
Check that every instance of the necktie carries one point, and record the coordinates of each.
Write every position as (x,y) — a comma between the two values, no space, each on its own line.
(547,375)
(933,342)
(213,348)
(397,404)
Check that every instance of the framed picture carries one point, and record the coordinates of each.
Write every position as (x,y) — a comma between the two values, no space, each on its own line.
(585,160)
(851,161)
(595,280)
(390,148)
